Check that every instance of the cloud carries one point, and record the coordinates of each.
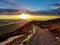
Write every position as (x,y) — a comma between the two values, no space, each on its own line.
(56,5)
(8,2)
(3,7)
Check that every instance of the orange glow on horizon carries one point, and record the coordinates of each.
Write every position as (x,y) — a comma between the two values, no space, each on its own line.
(28,17)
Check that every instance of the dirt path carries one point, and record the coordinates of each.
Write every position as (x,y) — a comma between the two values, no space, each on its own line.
(42,37)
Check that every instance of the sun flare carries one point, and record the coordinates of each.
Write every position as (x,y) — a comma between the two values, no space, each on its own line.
(24,16)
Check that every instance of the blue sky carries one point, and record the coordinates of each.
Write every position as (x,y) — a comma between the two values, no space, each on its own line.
(28,4)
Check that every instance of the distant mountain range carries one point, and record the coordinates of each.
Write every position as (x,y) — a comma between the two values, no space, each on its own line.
(9,11)
(48,12)
(15,11)
(54,11)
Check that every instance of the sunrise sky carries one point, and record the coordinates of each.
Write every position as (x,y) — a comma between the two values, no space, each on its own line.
(34,5)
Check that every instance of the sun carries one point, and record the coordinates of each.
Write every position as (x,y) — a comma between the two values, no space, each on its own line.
(24,16)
